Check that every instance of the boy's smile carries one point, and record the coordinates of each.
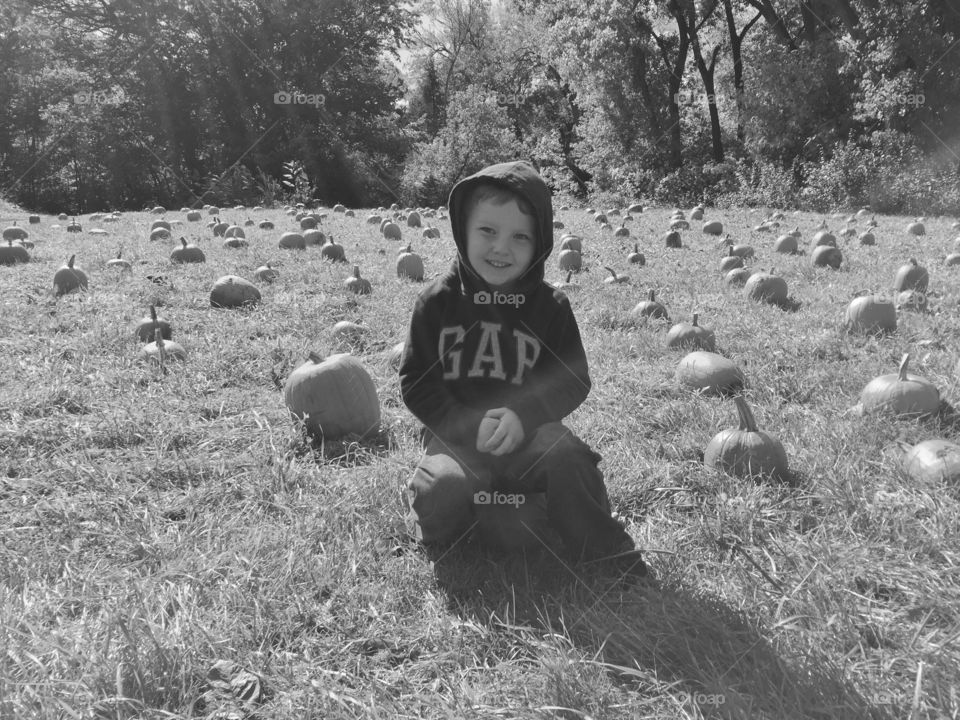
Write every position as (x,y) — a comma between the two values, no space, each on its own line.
(500,241)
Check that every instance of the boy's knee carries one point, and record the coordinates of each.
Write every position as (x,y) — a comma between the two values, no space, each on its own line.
(441,497)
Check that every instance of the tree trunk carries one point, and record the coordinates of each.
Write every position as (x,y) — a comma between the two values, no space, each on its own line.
(736,52)
(707,70)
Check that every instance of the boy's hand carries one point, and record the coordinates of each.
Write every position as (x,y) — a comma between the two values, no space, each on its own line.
(508,435)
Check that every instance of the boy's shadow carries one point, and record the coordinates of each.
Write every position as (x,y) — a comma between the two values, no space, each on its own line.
(650,631)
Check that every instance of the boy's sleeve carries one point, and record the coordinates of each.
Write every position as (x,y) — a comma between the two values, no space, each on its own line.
(560,382)
(422,387)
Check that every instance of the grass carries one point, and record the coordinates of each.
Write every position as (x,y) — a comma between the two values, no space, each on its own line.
(155,523)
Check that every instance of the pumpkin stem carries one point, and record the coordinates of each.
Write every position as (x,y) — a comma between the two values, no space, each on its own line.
(70,261)
(356,271)
(569,275)
(611,271)
(696,316)
(913,261)
(902,371)
(747,421)
(183,241)
(636,247)
(314,356)
(650,295)
(153,316)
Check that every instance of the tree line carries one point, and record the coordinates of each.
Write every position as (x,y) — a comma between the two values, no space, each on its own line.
(114,104)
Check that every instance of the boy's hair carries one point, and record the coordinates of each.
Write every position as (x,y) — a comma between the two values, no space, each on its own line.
(498,195)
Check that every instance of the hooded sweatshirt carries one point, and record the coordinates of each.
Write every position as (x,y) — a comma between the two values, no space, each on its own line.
(470,349)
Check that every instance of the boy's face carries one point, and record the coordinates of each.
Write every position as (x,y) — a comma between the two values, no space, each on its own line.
(500,241)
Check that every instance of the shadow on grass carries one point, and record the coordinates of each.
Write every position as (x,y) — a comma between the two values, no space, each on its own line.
(648,633)
(349,451)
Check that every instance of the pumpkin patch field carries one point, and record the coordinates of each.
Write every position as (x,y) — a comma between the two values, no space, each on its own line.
(203,453)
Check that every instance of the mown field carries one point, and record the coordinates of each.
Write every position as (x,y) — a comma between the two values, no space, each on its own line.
(157,523)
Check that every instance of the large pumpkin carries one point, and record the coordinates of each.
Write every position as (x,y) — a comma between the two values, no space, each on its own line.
(410,265)
(11,254)
(900,393)
(827,256)
(292,241)
(187,253)
(766,287)
(162,351)
(911,276)
(709,373)
(650,308)
(69,278)
(871,315)
(356,284)
(146,329)
(747,452)
(333,251)
(333,397)
(231,291)
(691,335)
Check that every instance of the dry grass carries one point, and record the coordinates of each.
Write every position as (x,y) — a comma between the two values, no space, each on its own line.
(154,523)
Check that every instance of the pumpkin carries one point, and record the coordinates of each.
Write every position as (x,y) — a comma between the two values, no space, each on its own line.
(33,219)
(691,335)
(69,278)
(314,237)
(697,213)
(391,231)
(867,238)
(15,233)
(709,373)
(614,279)
(786,244)
(636,257)
(871,315)
(744,251)
(558,225)
(730,262)
(348,331)
(600,218)
(265,225)
(235,243)
(194,216)
(266,273)
(118,262)
(912,300)
(825,238)
(650,308)
(338,208)
(375,220)
(571,242)
(714,227)
(933,461)
(635,209)
(11,254)
(679,224)
(159,234)
(826,256)
(413,219)
(916,228)
(333,397)
(292,241)
(234,231)
(220,228)
(160,224)
(211,210)
(187,253)
(738,277)
(671,239)
(357,284)
(746,452)
(333,251)
(231,291)
(158,210)
(162,351)
(431,232)
(953,259)
(308,222)
(911,277)
(146,329)
(766,287)
(622,231)
(74,227)
(410,265)
(900,394)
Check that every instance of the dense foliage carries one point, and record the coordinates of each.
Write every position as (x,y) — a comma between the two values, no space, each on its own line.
(787,103)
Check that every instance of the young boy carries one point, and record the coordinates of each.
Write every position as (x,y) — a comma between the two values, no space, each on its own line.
(492,363)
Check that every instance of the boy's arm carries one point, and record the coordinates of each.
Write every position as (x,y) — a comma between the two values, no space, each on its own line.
(422,387)
(560,382)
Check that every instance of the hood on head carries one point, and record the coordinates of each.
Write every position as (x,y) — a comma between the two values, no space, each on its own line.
(522,178)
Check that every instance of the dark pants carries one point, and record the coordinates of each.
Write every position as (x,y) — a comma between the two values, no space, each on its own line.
(552,480)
